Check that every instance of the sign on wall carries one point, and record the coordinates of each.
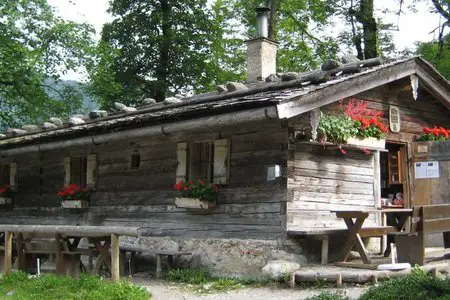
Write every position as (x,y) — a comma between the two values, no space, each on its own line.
(394,119)
(426,169)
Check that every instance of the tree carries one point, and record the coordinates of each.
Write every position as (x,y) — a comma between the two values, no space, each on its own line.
(227,48)
(443,8)
(164,47)
(430,51)
(298,26)
(36,47)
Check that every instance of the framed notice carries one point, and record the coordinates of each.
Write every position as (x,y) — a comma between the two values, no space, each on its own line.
(426,169)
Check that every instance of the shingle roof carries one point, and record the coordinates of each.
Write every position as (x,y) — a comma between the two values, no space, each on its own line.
(257,95)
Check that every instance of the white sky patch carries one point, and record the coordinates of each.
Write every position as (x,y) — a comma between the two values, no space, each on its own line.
(89,11)
(412,27)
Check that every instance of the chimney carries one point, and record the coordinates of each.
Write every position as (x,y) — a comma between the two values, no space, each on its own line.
(261,51)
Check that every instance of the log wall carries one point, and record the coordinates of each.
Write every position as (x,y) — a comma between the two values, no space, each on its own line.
(320,180)
(249,207)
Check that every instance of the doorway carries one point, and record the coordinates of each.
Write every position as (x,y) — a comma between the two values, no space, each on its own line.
(394,175)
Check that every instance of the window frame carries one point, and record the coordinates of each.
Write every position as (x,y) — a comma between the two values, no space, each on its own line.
(90,170)
(219,165)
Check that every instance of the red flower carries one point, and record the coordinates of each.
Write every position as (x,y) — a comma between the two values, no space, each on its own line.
(196,189)
(373,121)
(73,190)
(427,130)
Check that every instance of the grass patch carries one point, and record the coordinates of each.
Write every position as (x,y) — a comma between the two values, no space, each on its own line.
(202,281)
(19,285)
(414,287)
(329,296)
(190,276)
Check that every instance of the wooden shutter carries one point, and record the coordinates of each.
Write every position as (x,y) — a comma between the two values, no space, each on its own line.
(221,161)
(67,161)
(91,170)
(13,175)
(182,161)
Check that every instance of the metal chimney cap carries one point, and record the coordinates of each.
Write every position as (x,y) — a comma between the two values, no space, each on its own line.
(262,9)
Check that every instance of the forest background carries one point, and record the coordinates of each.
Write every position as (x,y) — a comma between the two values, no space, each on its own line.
(159,48)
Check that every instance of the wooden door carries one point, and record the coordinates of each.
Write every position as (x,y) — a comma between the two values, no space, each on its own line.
(434,190)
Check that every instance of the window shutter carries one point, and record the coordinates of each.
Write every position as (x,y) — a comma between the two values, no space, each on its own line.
(91,170)
(67,171)
(13,175)
(221,161)
(182,161)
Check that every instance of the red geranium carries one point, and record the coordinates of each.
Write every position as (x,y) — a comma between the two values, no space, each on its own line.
(197,189)
(368,121)
(6,190)
(435,134)
(74,192)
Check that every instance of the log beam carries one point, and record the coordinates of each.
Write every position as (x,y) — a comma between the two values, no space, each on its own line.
(8,252)
(115,258)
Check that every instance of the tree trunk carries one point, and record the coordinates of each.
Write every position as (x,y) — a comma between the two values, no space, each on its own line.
(356,36)
(162,69)
(369,29)
(272,4)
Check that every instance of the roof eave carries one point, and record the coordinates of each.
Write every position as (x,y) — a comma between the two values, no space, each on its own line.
(430,78)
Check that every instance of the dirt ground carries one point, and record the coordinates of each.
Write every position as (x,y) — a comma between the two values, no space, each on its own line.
(163,290)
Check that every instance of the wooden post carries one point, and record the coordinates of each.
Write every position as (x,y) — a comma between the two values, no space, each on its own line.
(158,266)
(21,258)
(115,255)
(324,259)
(339,280)
(8,252)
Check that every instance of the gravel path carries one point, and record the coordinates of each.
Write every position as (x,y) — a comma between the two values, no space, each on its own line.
(163,290)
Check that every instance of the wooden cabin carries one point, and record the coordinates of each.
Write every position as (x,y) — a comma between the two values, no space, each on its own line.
(255,140)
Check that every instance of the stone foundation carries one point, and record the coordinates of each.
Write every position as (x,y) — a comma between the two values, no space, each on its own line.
(223,257)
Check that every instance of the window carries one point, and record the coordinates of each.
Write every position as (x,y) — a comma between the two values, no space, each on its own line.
(80,170)
(8,174)
(135,159)
(204,160)
(201,161)
(4,174)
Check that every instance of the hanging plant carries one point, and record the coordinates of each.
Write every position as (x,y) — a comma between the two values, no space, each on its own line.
(358,121)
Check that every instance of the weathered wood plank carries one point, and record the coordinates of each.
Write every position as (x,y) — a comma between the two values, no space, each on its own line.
(333,167)
(333,175)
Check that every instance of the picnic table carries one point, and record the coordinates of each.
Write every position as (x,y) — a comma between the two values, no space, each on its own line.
(354,220)
(104,239)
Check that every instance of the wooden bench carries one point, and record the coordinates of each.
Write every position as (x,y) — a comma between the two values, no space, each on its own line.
(325,233)
(425,219)
(68,258)
(133,250)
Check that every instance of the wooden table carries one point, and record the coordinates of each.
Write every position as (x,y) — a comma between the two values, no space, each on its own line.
(354,220)
(104,238)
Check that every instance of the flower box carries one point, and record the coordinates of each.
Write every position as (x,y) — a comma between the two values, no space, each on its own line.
(371,143)
(5,200)
(74,204)
(193,203)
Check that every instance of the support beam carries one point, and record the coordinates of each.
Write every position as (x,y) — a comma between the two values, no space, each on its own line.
(200,124)
(84,231)
(115,258)
(8,252)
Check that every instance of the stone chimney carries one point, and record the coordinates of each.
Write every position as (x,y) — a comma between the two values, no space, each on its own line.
(261,51)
